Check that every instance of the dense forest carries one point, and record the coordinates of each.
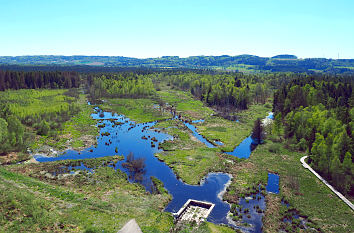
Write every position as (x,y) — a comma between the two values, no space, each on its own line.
(120,85)
(318,117)
(235,91)
(37,79)
(228,90)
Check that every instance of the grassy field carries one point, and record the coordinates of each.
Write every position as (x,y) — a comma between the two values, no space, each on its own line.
(192,165)
(139,110)
(81,129)
(78,132)
(185,104)
(232,133)
(103,201)
(24,102)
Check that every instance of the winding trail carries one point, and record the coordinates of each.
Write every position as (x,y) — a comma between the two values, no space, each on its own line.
(305,165)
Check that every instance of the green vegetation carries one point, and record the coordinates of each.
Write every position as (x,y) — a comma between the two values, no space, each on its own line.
(192,165)
(224,62)
(311,114)
(297,185)
(37,79)
(222,91)
(190,159)
(183,138)
(81,128)
(232,133)
(202,228)
(27,112)
(139,110)
(185,105)
(36,118)
(115,86)
(318,117)
(103,201)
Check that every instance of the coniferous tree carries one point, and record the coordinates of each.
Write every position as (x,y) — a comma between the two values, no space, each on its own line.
(258,132)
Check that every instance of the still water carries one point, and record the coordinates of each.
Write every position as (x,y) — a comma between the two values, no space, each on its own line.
(128,137)
(119,133)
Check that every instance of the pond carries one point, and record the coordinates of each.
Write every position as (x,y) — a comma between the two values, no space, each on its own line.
(253,207)
(244,149)
(273,183)
(119,133)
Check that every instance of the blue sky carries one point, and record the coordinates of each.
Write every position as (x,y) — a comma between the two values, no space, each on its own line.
(306,28)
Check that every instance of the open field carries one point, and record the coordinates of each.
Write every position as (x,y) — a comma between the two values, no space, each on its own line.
(186,105)
(232,133)
(139,110)
(104,201)
(192,165)
(78,132)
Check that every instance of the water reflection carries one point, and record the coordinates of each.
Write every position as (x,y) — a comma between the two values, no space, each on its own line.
(119,133)
(244,149)
(273,183)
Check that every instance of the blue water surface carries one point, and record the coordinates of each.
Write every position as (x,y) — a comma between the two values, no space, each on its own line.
(244,149)
(197,135)
(273,183)
(128,138)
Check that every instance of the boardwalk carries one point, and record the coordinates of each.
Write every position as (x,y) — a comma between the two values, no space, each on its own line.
(326,183)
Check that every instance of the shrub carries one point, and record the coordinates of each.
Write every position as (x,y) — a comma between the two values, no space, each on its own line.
(267,105)
(274,148)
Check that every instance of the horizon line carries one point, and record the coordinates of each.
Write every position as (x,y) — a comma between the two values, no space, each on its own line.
(38,55)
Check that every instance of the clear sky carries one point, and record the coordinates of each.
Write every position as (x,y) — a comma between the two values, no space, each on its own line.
(139,28)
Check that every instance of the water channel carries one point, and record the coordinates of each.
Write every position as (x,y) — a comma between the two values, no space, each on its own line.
(118,132)
(126,136)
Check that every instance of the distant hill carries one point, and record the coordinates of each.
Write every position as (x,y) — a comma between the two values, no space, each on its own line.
(241,63)
(285,56)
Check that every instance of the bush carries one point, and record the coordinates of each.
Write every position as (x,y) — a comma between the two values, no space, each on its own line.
(302,145)
(274,148)
(267,105)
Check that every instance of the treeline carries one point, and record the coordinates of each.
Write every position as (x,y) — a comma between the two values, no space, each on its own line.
(228,90)
(123,85)
(317,116)
(215,90)
(37,79)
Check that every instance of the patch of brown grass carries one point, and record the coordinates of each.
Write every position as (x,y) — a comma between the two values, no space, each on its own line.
(271,218)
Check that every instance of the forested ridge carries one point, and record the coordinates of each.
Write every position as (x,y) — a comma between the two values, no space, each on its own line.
(318,116)
(243,63)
